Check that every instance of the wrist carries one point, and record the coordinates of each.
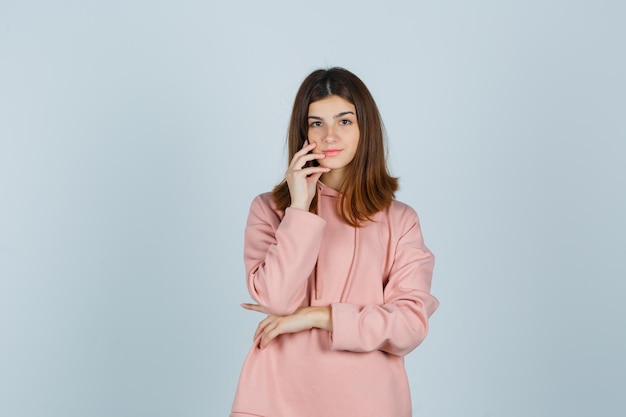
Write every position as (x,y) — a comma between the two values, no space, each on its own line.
(299,206)
(321,317)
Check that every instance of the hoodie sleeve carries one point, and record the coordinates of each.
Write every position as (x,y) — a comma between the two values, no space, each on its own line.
(401,323)
(280,255)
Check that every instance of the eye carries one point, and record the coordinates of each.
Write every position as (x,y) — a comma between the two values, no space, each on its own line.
(345,122)
(316,124)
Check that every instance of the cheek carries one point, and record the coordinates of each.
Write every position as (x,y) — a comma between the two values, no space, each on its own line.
(354,140)
(314,137)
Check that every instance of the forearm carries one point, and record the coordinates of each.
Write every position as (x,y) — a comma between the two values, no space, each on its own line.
(279,260)
(395,328)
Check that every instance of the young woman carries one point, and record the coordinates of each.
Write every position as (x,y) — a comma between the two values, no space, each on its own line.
(338,266)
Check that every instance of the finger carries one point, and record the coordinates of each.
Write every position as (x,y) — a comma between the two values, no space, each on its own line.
(269,337)
(310,157)
(270,333)
(316,176)
(263,324)
(257,341)
(304,151)
(306,147)
(300,164)
(314,170)
(254,307)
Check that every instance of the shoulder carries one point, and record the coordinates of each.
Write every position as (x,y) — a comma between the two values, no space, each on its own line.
(263,207)
(400,211)
(264,199)
(401,217)
(404,223)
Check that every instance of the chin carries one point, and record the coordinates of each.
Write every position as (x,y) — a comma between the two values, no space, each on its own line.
(334,166)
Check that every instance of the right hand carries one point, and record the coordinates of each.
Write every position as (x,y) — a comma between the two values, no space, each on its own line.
(302,181)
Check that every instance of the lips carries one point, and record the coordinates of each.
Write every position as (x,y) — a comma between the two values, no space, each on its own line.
(331,152)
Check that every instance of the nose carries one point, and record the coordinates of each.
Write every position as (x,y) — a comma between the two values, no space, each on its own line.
(330,136)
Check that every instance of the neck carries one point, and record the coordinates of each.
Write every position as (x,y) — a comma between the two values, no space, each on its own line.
(333,179)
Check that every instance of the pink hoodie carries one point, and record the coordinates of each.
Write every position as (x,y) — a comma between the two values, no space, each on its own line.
(377,281)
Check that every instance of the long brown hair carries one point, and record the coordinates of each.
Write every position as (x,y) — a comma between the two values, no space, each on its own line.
(368,187)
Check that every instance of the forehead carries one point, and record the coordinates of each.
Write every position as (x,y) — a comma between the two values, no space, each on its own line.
(330,105)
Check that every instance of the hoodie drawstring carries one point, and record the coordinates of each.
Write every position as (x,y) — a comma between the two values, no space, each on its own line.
(318,283)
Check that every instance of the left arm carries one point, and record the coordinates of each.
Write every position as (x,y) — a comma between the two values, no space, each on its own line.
(401,323)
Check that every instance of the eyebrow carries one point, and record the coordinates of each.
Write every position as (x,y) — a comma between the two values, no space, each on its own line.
(337,116)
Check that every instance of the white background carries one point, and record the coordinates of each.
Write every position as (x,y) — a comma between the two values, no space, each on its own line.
(134,134)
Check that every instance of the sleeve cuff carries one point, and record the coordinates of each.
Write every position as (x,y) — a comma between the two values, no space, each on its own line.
(345,332)
(300,219)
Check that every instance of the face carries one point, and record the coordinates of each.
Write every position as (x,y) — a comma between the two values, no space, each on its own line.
(334,128)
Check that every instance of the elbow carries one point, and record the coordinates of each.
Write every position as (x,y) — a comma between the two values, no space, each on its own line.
(418,332)
(413,336)
(416,324)
(276,299)
(416,339)
(402,349)
(277,305)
